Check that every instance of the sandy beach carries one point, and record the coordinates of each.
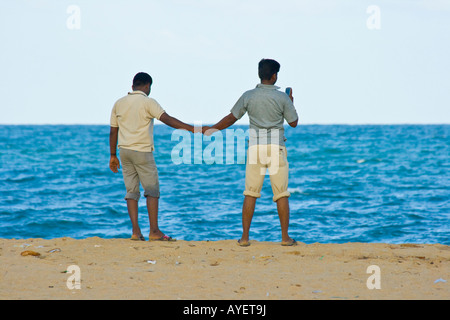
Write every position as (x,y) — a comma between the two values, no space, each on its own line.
(216,270)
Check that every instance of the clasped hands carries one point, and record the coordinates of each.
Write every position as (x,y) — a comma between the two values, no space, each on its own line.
(226,122)
(206,130)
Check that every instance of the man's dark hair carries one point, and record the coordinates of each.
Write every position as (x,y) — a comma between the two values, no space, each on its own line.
(142,79)
(267,68)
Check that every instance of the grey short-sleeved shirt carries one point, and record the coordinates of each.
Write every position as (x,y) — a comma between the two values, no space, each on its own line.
(267,109)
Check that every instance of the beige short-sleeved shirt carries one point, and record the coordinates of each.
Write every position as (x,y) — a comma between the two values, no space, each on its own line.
(134,115)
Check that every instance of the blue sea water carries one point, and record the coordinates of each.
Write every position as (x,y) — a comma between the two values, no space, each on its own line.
(348,183)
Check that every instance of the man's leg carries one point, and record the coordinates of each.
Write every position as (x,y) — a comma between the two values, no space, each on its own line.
(132,206)
(254,179)
(152,208)
(283,214)
(248,209)
(131,181)
(279,176)
(148,175)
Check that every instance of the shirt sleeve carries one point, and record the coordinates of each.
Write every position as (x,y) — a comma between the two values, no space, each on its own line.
(113,120)
(289,112)
(154,109)
(240,108)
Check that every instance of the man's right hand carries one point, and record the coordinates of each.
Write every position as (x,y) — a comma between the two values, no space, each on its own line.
(114,164)
(291,96)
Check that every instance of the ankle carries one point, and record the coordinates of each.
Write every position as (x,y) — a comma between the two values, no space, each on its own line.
(155,232)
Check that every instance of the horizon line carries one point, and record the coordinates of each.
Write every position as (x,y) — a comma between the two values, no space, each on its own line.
(236,124)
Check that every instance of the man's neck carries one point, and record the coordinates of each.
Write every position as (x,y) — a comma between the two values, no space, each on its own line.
(267,82)
(142,89)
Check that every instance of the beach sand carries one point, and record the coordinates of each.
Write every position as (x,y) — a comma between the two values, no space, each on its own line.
(216,270)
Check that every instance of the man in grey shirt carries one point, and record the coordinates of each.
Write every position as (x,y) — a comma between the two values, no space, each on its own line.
(267,109)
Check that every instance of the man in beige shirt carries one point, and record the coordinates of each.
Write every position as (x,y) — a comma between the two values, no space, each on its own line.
(131,122)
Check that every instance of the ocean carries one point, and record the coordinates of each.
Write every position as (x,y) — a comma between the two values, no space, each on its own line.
(348,183)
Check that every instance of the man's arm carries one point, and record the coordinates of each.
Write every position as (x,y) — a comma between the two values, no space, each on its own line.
(114,163)
(175,123)
(226,122)
(294,123)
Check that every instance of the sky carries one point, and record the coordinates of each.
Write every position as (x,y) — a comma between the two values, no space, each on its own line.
(348,61)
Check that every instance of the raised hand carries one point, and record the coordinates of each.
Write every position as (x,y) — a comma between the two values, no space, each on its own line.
(291,96)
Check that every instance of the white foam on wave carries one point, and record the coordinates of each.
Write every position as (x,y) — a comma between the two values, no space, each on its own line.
(295,190)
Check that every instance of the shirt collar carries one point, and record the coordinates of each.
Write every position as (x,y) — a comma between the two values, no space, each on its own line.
(267,86)
(137,92)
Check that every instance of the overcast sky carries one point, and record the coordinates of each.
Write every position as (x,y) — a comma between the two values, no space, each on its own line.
(348,61)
